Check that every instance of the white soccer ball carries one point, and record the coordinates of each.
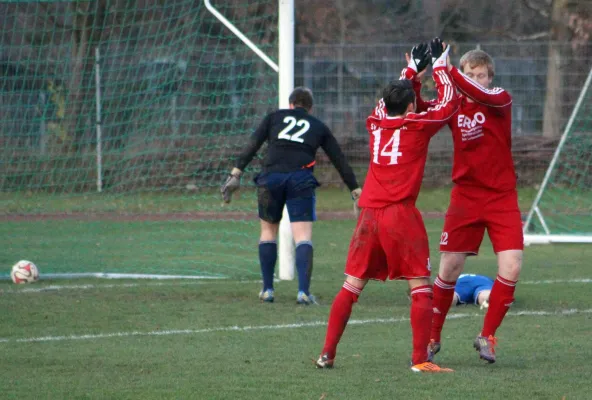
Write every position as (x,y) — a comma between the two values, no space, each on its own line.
(24,272)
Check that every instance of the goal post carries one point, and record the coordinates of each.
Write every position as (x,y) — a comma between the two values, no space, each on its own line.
(286,248)
(285,70)
(562,209)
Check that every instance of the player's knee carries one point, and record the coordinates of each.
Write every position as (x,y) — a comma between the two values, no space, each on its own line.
(510,269)
(451,265)
(269,231)
(302,231)
(510,264)
(417,282)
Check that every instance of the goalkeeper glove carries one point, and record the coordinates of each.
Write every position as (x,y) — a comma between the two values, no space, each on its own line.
(231,185)
(439,53)
(420,57)
(356,193)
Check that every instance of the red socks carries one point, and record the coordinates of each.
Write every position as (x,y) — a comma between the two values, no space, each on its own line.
(500,300)
(443,294)
(338,317)
(428,309)
(421,320)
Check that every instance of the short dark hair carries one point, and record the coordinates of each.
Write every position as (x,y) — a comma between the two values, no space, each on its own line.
(301,97)
(397,96)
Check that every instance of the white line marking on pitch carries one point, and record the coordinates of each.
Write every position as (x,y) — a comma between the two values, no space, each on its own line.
(554,281)
(267,327)
(52,288)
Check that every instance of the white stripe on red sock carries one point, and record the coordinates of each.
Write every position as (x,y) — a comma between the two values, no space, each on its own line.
(351,288)
(443,284)
(421,289)
(505,281)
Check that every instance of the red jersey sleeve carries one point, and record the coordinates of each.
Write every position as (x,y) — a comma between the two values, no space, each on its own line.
(439,112)
(408,73)
(422,105)
(496,97)
(379,111)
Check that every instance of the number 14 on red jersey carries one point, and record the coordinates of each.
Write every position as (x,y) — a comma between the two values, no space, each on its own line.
(390,149)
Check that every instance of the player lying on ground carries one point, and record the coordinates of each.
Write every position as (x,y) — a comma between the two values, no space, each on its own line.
(390,240)
(287,179)
(484,196)
(471,289)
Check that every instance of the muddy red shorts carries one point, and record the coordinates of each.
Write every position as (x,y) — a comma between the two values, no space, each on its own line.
(389,242)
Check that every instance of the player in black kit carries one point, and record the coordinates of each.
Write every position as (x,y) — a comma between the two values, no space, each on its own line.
(287,179)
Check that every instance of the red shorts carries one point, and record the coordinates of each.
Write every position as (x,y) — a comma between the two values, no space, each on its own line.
(389,242)
(471,211)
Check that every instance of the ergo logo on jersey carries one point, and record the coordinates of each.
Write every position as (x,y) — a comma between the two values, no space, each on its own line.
(466,122)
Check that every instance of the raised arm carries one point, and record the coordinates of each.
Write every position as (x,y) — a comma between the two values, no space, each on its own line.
(437,116)
(496,97)
(422,105)
(416,65)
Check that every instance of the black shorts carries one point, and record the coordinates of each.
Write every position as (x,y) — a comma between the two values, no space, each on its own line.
(296,190)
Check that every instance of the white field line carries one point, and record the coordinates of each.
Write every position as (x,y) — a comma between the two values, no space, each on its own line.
(249,328)
(113,275)
(90,286)
(55,288)
(555,281)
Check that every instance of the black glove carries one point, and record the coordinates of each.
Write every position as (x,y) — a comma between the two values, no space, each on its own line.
(231,185)
(439,53)
(420,57)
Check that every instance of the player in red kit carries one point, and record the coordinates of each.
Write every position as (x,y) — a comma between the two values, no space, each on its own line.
(390,240)
(483,197)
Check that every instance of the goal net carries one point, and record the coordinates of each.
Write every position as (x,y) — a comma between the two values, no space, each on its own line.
(562,210)
(120,120)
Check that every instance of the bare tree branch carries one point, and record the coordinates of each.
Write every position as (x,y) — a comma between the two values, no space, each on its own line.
(530,5)
(452,15)
(503,32)
(534,36)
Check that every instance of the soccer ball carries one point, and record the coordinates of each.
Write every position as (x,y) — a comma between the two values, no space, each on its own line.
(24,272)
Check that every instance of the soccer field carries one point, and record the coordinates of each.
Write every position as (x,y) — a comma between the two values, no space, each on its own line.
(120,122)
(212,339)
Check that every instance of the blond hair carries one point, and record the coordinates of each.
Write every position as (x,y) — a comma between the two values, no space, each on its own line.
(476,58)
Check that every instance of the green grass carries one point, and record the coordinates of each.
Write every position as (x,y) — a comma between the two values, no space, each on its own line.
(162,247)
(328,199)
(539,357)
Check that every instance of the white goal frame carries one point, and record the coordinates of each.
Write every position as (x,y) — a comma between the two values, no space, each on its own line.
(548,236)
(285,70)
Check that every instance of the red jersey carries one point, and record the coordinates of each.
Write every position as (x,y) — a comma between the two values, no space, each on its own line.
(399,147)
(482,135)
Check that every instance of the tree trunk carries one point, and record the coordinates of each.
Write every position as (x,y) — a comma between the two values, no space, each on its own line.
(553,117)
(88,22)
